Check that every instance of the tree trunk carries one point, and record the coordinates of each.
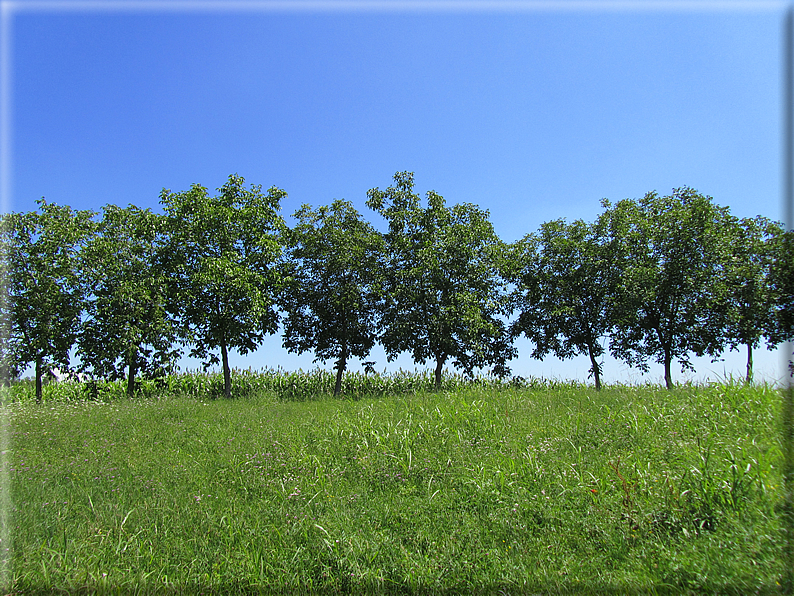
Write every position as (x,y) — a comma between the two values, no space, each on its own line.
(668,356)
(341,364)
(227,374)
(595,368)
(749,378)
(39,366)
(132,370)
(668,361)
(440,360)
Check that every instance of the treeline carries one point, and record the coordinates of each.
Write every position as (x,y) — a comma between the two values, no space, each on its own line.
(654,279)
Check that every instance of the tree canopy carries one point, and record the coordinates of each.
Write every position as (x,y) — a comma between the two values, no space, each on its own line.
(564,285)
(45,293)
(331,288)
(670,251)
(127,323)
(781,279)
(655,279)
(223,253)
(748,304)
(443,297)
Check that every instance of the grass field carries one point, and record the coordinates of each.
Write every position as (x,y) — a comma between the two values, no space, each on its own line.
(546,488)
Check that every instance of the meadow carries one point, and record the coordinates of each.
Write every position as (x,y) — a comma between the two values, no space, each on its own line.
(483,487)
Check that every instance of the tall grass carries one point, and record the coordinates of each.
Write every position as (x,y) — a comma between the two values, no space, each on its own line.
(551,489)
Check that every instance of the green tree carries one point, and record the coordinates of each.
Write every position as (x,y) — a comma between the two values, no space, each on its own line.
(781,279)
(670,252)
(331,295)
(748,306)
(564,289)
(127,323)
(45,294)
(223,254)
(443,296)
(6,356)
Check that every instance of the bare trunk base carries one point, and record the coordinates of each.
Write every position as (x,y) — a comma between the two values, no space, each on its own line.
(749,378)
(132,370)
(668,377)
(595,368)
(439,369)
(227,374)
(39,372)
(341,365)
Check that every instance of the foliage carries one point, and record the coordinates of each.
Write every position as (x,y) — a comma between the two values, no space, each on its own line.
(669,258)
(781,278)
(749,300)
(127,324)
(6,354)
(45,294)
(443,295)
(564,288)
(223,253)
(331,295)
(663,277)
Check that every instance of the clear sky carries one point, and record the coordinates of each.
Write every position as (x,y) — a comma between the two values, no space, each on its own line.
(535,111)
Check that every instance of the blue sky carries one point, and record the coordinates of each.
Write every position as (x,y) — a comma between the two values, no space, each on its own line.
(533,111)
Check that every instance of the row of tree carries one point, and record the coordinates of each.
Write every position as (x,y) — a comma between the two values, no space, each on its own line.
(655,279)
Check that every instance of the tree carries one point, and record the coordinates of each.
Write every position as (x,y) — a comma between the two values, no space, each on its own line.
(564,290)
(748,306)
(443,295)
(331,295)
(223,253)
(6,356)
(781,279)
(127,323)
(670,252)
(45,296)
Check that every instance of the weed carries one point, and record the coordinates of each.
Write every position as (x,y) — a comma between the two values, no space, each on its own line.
(478,488)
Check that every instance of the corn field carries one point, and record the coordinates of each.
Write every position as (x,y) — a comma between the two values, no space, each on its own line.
(249,383)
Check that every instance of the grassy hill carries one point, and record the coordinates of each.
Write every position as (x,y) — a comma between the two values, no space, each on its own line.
(542,488)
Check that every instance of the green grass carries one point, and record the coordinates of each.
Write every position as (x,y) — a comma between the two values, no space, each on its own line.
(551,488)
